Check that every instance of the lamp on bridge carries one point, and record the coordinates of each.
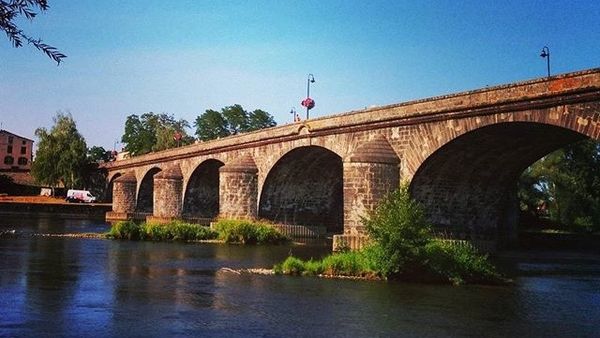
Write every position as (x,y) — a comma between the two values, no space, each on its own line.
(308,102)
(546,55)
(177,137)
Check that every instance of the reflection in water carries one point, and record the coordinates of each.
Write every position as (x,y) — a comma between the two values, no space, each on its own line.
(83,287)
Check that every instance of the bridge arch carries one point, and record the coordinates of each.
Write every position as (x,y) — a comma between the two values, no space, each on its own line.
(201,196)
(145,195)
(469,184)
(305,187)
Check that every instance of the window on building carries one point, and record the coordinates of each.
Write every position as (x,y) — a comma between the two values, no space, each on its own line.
(23,150)
(10,140)
(24,143)
(22,161)
(9,160)
(9,149)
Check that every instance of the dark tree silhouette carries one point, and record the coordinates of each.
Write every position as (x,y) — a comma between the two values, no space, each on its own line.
(11,10)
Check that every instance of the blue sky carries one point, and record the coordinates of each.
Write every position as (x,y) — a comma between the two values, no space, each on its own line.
(183,57)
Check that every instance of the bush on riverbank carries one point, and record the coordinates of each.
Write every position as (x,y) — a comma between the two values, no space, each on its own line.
(172,231)
(229,231)
(349,263)
(248,232)
(403,247)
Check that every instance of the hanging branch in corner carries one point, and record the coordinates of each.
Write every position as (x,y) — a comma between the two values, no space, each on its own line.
(10,10)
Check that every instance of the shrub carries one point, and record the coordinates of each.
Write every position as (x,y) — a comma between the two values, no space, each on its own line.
(155,232)
(248,232)
(458,262)
(160,232)
(291,266)
(350,263)
(400,231)
(126,230)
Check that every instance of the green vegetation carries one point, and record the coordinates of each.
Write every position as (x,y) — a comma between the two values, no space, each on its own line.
(248,232)
(229,231)
(154,132)
(231,120)
(402,247)
(62,158)
(61,155)
(459,263)
(9,17)
(173,231)
(562,189)
(349,263)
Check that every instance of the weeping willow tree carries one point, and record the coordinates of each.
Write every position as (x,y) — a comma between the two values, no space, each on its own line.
(61,156)
(564,187)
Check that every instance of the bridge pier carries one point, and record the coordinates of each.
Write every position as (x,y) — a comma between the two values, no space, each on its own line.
(238,189)
(370,173)
(168,192)
(123,205)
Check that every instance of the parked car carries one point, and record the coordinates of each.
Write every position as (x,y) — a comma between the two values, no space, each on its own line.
(79,196)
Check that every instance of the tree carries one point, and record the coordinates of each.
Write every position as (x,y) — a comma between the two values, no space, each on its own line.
(139,136)
(260,119)
(167,134)
(61,154)
(153,132)
(567,182)
(237,119)
(211,125)
(98,154)
(231,121)
(11,10)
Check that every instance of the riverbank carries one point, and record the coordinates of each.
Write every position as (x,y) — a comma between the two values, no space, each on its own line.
(52,207)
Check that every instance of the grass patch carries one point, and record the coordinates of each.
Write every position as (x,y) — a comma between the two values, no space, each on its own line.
(172,231)
(351,263)
(125,230)
(229,231)
(248,232)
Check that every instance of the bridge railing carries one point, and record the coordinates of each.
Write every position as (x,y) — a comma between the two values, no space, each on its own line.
(301,231)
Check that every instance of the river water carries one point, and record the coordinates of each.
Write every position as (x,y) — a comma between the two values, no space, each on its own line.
(89,287)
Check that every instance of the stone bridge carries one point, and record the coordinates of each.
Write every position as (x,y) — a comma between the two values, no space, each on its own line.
(461,153)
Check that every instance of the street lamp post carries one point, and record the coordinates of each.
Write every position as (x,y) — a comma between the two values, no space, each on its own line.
(546,55)
(308,102)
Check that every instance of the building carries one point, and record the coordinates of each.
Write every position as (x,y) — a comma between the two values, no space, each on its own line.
(16,152)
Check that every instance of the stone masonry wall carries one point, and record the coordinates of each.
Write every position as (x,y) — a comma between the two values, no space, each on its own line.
(238,195)
(123,196)
(364,186)
(167,197)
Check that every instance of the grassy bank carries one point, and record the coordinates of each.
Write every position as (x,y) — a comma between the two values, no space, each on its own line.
(173,231)
(403,247)
(248,232)
(228,231)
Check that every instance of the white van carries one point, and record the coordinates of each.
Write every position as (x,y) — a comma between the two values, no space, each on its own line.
(80,196)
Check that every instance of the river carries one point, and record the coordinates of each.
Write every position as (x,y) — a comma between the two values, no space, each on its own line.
(88,287)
